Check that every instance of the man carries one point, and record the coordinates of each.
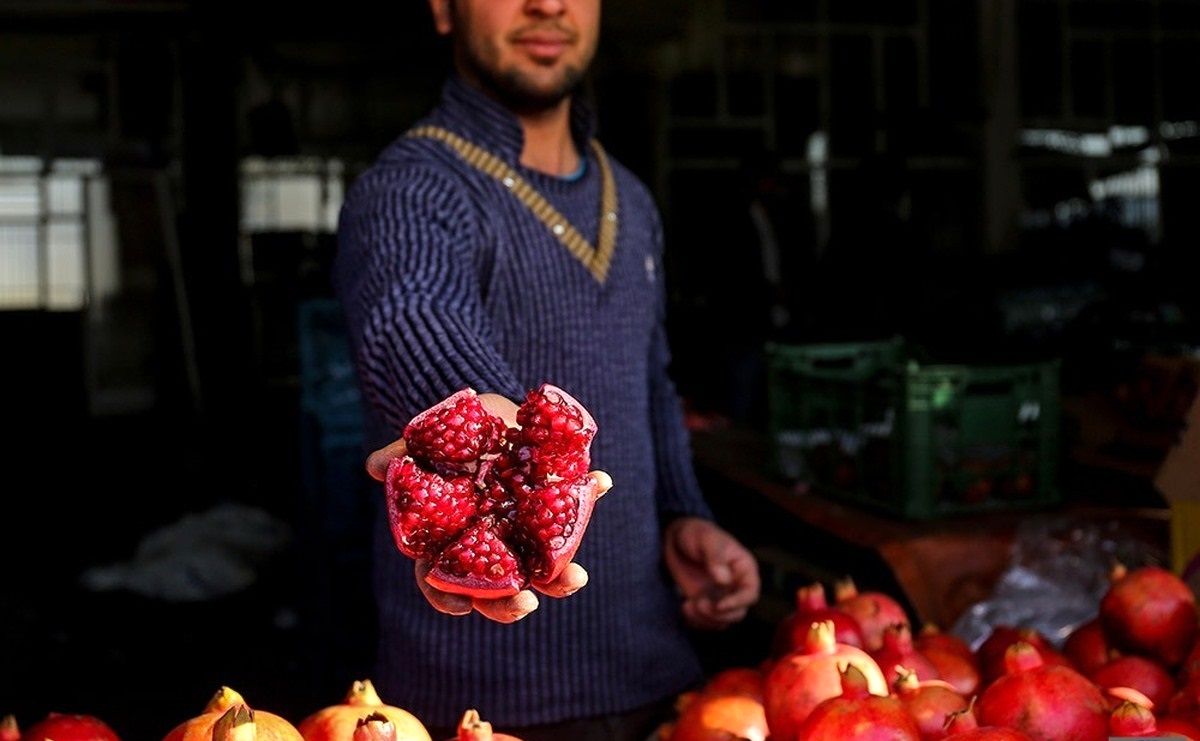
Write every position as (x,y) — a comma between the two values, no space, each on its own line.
(453,274)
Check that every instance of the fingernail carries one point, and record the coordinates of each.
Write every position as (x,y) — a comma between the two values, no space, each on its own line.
(603,480)
(524,603)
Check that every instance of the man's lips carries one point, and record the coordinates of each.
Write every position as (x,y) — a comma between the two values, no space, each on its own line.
(543,46)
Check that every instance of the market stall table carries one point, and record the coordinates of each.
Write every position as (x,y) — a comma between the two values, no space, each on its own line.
(942,566)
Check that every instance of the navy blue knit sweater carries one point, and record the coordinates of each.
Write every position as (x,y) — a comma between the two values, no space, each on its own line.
(448,281)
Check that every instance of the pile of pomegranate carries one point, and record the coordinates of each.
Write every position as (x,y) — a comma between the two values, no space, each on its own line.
(854,670)
(494,509)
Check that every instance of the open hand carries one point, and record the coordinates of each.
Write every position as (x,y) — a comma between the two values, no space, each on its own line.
(504,609)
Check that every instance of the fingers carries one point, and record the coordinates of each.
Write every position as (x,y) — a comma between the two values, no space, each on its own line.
(451,604)
(507,609)
(377,462)
(503,610)
(571,580)
(699,614)
(744,585)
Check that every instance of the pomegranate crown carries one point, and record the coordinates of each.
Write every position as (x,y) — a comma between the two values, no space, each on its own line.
(854,682)
(821,637)
(237,724)
(362,692)
(811,597)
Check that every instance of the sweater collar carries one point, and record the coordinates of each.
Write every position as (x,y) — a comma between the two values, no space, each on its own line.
(486,121)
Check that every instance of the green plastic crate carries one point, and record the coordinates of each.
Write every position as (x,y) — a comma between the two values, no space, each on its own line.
(867,423)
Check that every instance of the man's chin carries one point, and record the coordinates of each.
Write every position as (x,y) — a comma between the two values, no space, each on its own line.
(532,92)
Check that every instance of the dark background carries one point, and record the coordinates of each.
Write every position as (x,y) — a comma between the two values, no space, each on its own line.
(993,179)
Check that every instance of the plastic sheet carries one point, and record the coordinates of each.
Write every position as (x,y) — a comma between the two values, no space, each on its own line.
(200,557)
(1058,574)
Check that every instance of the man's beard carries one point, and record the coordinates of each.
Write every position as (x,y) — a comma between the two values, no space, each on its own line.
(520,93)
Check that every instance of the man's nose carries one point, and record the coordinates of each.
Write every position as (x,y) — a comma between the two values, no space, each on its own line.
(545,8)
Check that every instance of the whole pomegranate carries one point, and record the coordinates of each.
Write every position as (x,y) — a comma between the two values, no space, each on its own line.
(1191,665)
(9,730)
(710,717)
(956,671)
(471,728)
(268,726)
(65,727)
(1171,727)
(736,681)
(1186,702)
(874,611)
(990,733)
(811,607)
(803,679)
(1150,611)
(857,715)
(992,662)
(494,508)
(337,722)
(1087,647)
(1048,702)
(931,638)
(898,651)
(931,704)
(1139,673)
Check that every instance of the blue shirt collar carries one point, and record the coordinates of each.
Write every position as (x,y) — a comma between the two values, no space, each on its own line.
(486,122)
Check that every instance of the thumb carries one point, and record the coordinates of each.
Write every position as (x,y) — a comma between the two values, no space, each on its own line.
(719,570)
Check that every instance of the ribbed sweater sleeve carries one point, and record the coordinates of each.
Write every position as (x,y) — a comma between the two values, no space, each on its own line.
(408,285)
(678,492)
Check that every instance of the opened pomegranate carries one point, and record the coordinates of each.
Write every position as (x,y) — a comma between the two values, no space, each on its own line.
(472,728)
(494,508)
(931,704)
(803,679)
(1138,673)
(66,727)
(811,607)
(1150,611)
(1046,701)
(1087,647)
(856,715)
(337,722)
(874,611)
(374,727)
(268,726)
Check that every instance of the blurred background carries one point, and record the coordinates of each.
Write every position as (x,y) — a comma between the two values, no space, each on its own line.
(994,182)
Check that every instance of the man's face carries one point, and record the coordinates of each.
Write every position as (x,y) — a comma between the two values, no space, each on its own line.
(530,53)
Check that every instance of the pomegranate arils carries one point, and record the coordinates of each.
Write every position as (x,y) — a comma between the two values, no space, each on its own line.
(553,421)
(426,510)
(548,519)
(480,559)
(494,508)
(455,433)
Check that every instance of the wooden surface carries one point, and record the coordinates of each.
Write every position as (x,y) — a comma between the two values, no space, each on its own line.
(942,565)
